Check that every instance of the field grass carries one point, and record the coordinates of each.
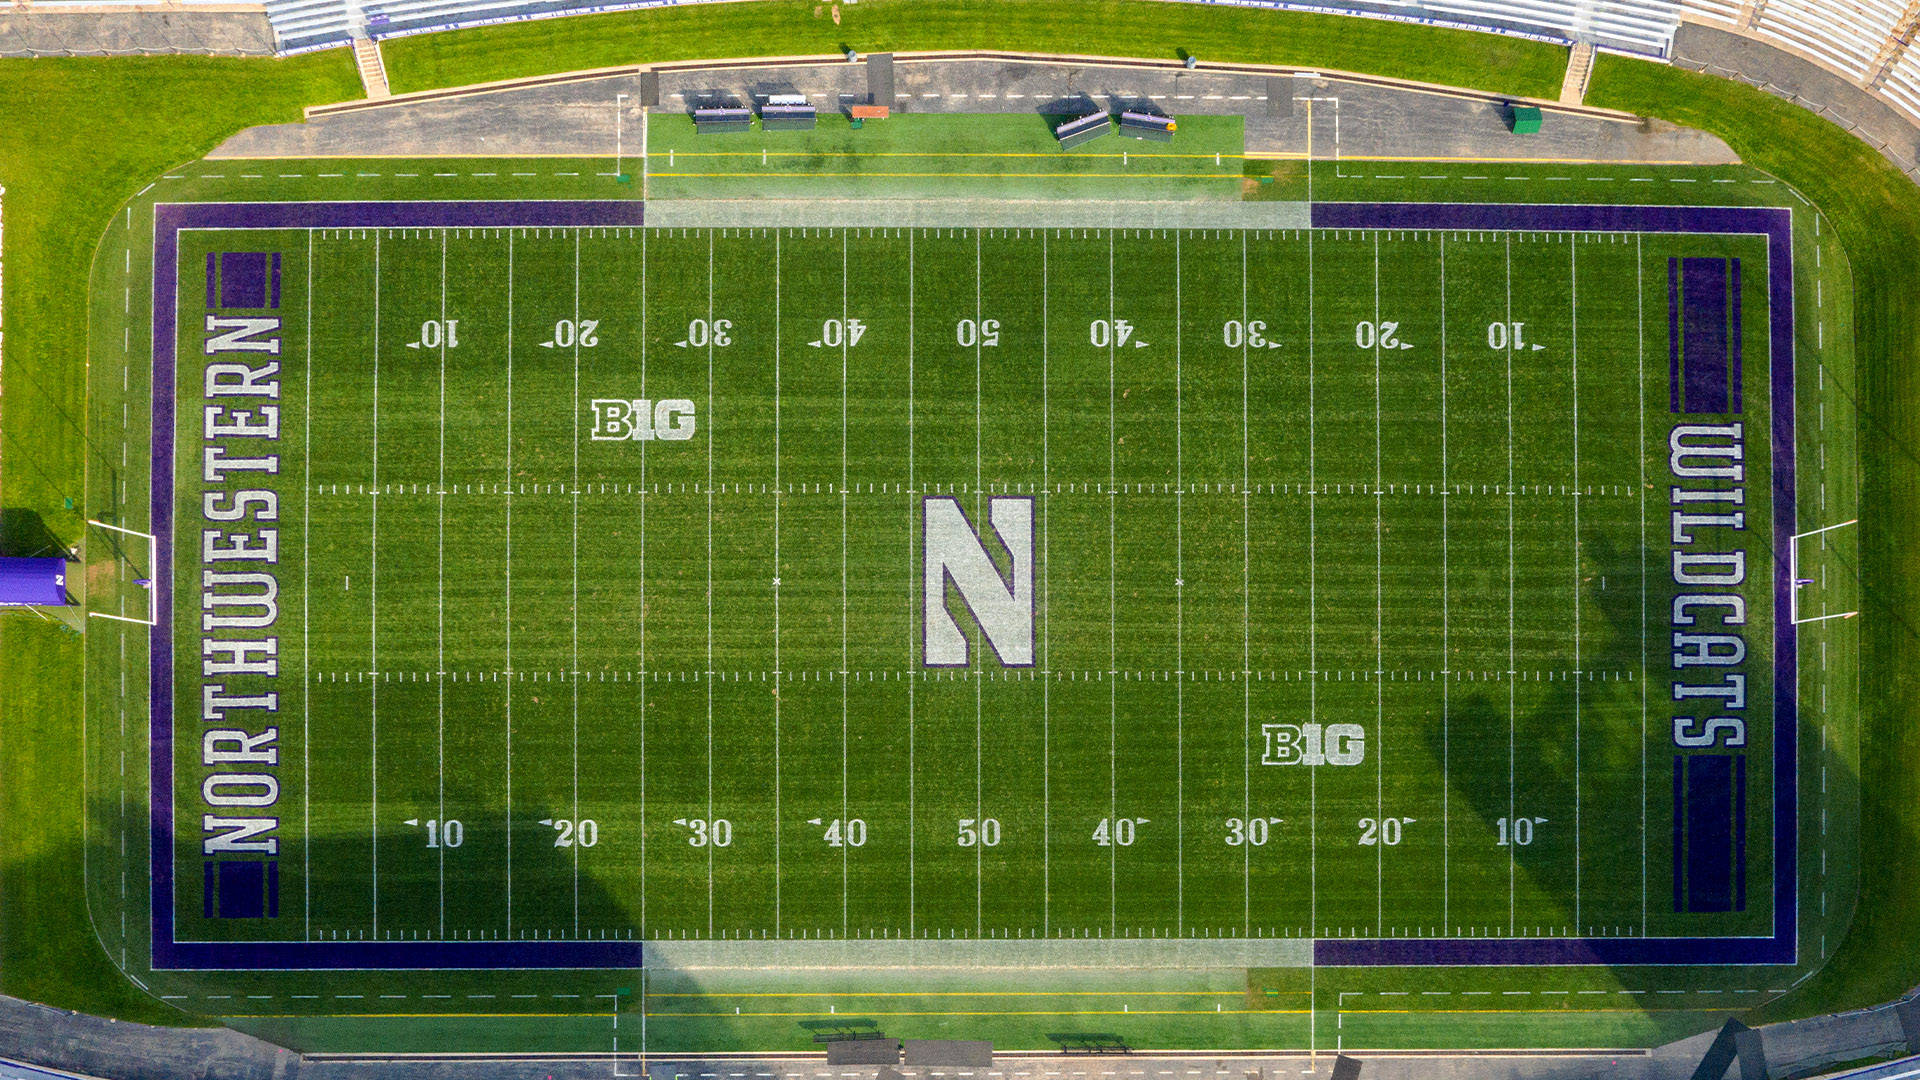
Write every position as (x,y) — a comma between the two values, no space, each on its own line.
(1873,207)
(1105,28)
(67,165)
(1271,489)
(944,157)
(77,138)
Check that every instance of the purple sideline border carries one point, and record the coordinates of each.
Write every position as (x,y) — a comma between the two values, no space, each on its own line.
(167,953)
(1776,224)
(1773,223)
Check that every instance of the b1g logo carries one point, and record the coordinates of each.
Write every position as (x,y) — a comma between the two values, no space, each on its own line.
(670,419)
(1312,744)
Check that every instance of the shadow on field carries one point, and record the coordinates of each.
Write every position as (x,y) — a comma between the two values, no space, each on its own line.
(1544,759)
(25,534)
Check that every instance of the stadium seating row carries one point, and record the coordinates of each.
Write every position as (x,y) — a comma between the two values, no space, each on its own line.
(1637,26)
(1866,41)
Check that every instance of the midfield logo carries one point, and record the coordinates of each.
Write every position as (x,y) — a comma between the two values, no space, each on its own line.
(1001,605)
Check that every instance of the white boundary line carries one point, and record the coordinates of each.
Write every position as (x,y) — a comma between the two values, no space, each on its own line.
(1793,575)
(153,557)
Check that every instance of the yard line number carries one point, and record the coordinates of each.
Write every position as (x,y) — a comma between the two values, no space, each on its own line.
(1386,832)
(1382,335)
(849,833)
(1518,832)
(584,832)
(971,332)
(1250,333)
(704,832)
(984,832)
(1250,832)
(1117,832)
(568,333)
(442,834)
(704,332)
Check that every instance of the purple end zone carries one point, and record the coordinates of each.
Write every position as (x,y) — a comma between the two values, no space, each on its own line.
(1776,224)
(169,219)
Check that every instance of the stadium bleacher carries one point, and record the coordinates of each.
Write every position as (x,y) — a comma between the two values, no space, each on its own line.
(1637,26)
(1868,42)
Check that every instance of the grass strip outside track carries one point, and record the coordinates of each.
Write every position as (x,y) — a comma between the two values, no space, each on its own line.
(944,156)
(1108,28)
(1876,210)
(67,165)
(78,137)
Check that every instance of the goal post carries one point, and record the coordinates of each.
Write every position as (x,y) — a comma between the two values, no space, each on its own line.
(1794,564)
(131,575)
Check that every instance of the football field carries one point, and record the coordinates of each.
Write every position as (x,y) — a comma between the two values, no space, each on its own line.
(606,584)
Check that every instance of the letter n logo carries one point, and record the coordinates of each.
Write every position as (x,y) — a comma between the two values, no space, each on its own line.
(1000,604)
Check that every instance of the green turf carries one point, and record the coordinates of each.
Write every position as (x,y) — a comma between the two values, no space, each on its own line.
(68,166)
(77,138)
(1106,28)
(1177,613)
(943,156)
(1872,209)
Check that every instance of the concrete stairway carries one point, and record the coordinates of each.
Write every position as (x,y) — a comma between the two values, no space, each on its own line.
(373,73)
(1573,88)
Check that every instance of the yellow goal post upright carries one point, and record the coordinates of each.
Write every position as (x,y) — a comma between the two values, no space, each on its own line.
(1793,574)
(140,579)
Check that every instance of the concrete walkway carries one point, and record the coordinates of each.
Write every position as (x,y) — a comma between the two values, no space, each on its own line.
(240,30)
(1315,114)
(95,1047)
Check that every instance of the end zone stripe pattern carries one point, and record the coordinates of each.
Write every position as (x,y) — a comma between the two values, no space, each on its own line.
(1776,225)
(225,887)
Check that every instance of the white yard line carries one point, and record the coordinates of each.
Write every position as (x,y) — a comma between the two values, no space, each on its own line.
(844,346)
(306,650)
(1512,683)
(1379,628)
(1046,627)
(915,657)
(440,606)
(574,681)
(1313,618)
(1246,608)
(644,279)
(1180,598)
(1446,643)
(707,677)
(1640,317)
(979,809)
(1113,640)
(1573,271)
(777,910)
(373,603)
(509,594)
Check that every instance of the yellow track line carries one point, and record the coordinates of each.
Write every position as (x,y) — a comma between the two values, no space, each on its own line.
(1517,1012)
(736,1016)
(993,1012)
(965,993)
(944,175)
(933,154)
